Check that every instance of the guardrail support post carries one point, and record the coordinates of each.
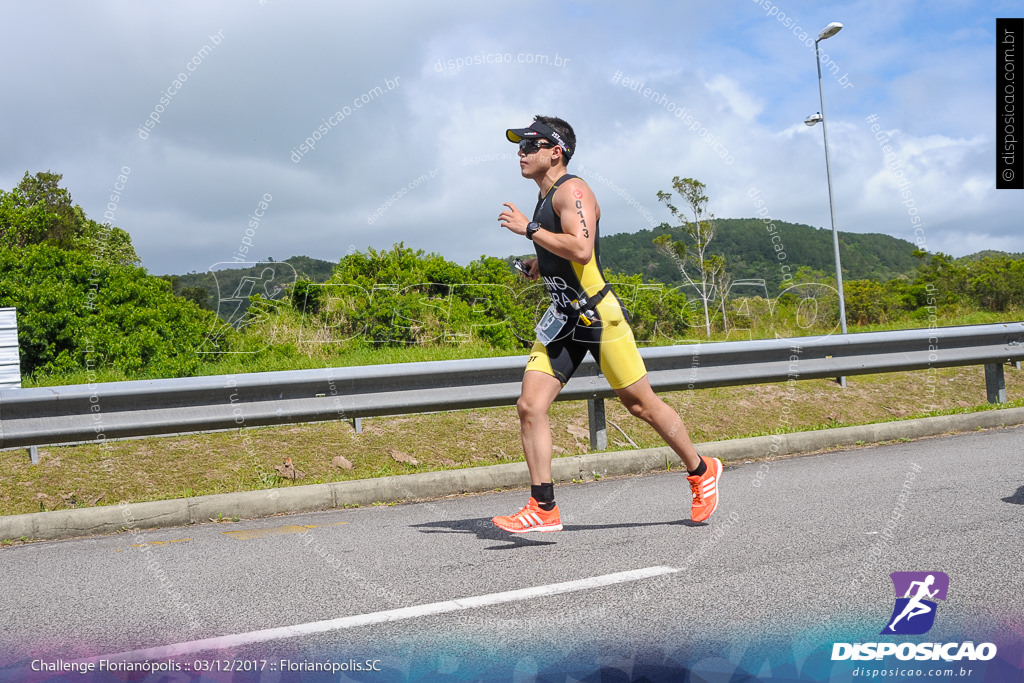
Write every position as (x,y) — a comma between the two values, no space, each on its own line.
(598,427)
(33,454)
(995,383)
(357,424)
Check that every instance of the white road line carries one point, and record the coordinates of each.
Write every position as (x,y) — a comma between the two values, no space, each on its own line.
(265,635)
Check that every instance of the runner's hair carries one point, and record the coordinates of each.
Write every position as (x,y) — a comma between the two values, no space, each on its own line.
(562,128)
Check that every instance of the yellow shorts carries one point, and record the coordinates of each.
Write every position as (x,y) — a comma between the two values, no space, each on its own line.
(610,340)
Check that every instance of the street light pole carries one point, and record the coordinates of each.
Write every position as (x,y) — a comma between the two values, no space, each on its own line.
(828,32)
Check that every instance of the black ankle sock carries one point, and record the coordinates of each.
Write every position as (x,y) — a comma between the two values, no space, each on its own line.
(544,494)
(701,469)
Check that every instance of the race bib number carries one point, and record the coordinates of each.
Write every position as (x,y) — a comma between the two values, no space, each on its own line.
(551,323)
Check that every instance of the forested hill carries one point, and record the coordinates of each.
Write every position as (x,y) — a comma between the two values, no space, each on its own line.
(744,242)
(203,288)
(749,252)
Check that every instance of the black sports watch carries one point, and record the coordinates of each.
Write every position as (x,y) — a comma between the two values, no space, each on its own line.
(531,228)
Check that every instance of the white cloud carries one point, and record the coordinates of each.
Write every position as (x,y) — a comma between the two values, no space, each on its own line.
(740,76)
(743,104)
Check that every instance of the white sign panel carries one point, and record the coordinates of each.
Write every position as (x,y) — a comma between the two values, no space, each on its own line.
(10,366)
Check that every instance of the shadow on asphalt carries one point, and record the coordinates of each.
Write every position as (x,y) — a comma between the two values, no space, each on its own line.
(483,529)
(1017,498)
(632,525)
(486,531)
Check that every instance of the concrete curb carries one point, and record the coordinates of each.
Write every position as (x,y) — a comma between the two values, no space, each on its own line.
(60,524)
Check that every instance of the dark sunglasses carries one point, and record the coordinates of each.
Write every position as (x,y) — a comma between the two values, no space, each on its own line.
(533,144)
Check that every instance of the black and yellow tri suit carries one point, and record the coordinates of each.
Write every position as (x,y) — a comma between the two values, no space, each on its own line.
(597,320)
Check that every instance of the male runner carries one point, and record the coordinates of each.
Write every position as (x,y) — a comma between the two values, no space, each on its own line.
(585,315)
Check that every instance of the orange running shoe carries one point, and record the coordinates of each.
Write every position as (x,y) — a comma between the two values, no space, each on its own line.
(705,490)
(530,518)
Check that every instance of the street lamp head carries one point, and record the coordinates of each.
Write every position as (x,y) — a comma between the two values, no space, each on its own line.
(813,119)
(830,30)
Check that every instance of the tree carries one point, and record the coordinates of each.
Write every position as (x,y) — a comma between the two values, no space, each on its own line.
(82,302)
(77,314)
(197,295)
(404,296)
(700,269)
(945,274)
(40,211)
(721,284)
(108,244)
(996,282)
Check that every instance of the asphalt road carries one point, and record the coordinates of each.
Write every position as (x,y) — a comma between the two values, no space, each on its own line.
(797,558)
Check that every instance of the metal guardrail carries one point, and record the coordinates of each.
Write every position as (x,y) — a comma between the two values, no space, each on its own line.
(96,412)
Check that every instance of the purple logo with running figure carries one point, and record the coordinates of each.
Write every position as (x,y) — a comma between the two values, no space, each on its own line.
(916,592)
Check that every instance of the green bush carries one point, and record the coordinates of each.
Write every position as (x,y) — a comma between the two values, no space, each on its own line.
(76,313)
(401,296)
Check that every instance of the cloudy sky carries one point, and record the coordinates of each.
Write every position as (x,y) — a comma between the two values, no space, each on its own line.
(406,104)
